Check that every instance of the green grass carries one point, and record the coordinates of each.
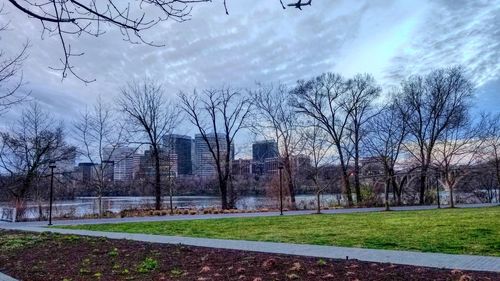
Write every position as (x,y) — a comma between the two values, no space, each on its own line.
(454,231)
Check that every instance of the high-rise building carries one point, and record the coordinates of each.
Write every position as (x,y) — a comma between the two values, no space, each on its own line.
(181,146)
(298,163)
(204,161)
(264,149)
(261,151)
(123,162)
(168,164)
(85,172)
(242,167)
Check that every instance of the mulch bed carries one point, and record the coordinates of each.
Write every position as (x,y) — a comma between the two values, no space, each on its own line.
(32,256)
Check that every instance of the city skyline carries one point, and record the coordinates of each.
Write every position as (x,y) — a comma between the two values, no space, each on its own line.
(127,161)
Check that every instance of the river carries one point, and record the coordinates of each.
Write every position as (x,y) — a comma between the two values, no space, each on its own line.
(82,206)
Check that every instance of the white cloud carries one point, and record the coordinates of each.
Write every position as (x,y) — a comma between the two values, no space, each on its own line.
(259,41)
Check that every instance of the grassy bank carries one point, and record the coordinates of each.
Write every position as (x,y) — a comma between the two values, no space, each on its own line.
(454,231)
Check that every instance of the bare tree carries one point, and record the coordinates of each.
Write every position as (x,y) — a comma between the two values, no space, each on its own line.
(219,115)
(456,152)
(152,116)
(361,92)
(386,133)
(168,159)
(492,143)
(100,133)
(432,104)
(318,147)
(34,140)
(66,19)
(276,118)
(11,78)
(322,99)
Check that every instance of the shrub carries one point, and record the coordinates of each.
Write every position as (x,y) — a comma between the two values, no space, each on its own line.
(176,272)
(113,253)
(147,265)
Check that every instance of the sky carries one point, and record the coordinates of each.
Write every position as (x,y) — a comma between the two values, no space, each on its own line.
(260,42)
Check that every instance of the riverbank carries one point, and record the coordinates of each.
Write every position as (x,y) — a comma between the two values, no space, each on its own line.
(88,207)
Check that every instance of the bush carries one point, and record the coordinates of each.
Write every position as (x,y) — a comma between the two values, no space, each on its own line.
(370,199)
(147,265)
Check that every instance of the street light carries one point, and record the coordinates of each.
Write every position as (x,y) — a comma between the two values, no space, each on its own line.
(52,165)
(280,168)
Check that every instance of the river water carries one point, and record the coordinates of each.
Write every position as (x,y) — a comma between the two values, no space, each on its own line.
(81,206)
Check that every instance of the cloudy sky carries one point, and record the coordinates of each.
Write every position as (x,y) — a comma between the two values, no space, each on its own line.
(259,41)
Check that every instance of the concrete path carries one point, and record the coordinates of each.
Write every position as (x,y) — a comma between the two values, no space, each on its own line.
(218,216)
(4,277)
(462,262)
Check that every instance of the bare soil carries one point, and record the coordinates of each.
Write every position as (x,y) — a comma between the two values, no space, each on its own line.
(33,256)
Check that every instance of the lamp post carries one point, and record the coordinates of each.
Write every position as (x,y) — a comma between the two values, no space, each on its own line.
(52,165)
(280,168)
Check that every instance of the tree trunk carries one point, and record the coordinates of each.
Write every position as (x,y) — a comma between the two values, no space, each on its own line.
(394,194)
(347,188)
(99,201)
(452,203)
(223,193)
(232,195)
(423,180)
(291,187)
(318,198)
(357,184)
(20,206)
(40,211)
(395,189)
(157,180)
(387,185)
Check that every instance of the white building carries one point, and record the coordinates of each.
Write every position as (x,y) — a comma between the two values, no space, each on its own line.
(124,161)
(204,161)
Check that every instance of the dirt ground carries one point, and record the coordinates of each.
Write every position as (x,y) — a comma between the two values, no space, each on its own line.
(32,256)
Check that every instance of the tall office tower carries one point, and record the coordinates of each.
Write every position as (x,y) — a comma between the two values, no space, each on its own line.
(67,165)
(85,172)
(204,161)
(123,162)
(147,164)
(261,151)
(181,146)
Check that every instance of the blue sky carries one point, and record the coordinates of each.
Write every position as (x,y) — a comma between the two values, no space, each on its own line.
(259,41)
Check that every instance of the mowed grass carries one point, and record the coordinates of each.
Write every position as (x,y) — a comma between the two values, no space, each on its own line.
(473,231)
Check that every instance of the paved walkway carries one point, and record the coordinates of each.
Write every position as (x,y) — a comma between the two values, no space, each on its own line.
(4,277)
(218,216)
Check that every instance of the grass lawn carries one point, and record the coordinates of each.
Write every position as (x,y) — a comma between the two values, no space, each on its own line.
(473,231)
